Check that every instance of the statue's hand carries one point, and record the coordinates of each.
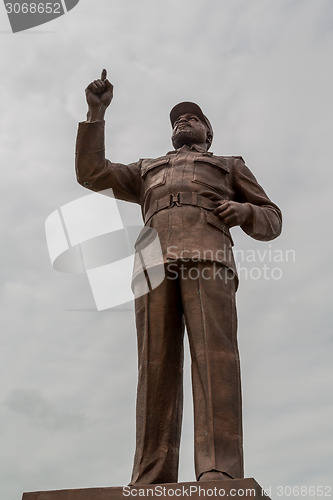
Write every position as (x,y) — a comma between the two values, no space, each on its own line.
(99,94)
(233,213)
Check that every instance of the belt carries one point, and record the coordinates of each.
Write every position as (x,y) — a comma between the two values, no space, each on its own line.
(179,199)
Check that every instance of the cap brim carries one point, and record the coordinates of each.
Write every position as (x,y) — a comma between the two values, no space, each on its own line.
(184,108)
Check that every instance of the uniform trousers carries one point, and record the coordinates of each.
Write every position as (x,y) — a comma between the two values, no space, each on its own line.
(200,296)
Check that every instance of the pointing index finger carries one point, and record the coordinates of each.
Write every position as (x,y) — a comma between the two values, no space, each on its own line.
(103,75)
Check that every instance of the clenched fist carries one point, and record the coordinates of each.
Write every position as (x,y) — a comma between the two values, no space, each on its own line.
(233,213)
(99,94)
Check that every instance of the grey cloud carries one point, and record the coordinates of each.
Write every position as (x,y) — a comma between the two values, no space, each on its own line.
(32,405)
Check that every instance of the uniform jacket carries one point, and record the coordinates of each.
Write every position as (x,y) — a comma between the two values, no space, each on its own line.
(185,222)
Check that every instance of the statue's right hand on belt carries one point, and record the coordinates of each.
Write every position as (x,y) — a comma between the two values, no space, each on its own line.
(99,94)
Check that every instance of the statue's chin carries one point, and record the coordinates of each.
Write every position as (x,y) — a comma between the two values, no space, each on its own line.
(184,137)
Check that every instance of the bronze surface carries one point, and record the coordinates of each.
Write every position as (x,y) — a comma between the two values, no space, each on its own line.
(192,198)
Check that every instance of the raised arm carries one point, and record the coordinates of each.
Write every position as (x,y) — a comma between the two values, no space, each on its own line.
(93,171)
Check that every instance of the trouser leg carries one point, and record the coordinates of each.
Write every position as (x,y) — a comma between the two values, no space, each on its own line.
(160,330)
(211,321)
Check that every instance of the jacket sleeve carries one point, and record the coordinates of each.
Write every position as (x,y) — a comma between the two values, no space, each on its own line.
(266,221)
(95,172)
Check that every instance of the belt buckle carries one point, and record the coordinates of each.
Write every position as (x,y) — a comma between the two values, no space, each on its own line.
(175,200)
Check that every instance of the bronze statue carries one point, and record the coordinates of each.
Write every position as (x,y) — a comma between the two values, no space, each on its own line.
(192,198)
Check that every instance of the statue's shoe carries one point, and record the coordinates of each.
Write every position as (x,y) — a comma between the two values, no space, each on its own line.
(214,475)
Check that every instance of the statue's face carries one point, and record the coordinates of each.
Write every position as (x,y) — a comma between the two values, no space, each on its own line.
(189,129)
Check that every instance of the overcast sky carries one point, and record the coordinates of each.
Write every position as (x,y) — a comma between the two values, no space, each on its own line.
(262,72)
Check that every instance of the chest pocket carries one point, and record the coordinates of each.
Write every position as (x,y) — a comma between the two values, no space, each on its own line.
(153,173)
(211,172)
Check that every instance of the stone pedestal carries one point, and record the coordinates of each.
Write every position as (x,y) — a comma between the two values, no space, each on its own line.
(235,489)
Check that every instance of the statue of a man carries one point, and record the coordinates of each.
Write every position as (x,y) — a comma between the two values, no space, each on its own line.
(191,198)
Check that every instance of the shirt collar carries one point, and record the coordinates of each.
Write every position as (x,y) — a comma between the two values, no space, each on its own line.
(187,148)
